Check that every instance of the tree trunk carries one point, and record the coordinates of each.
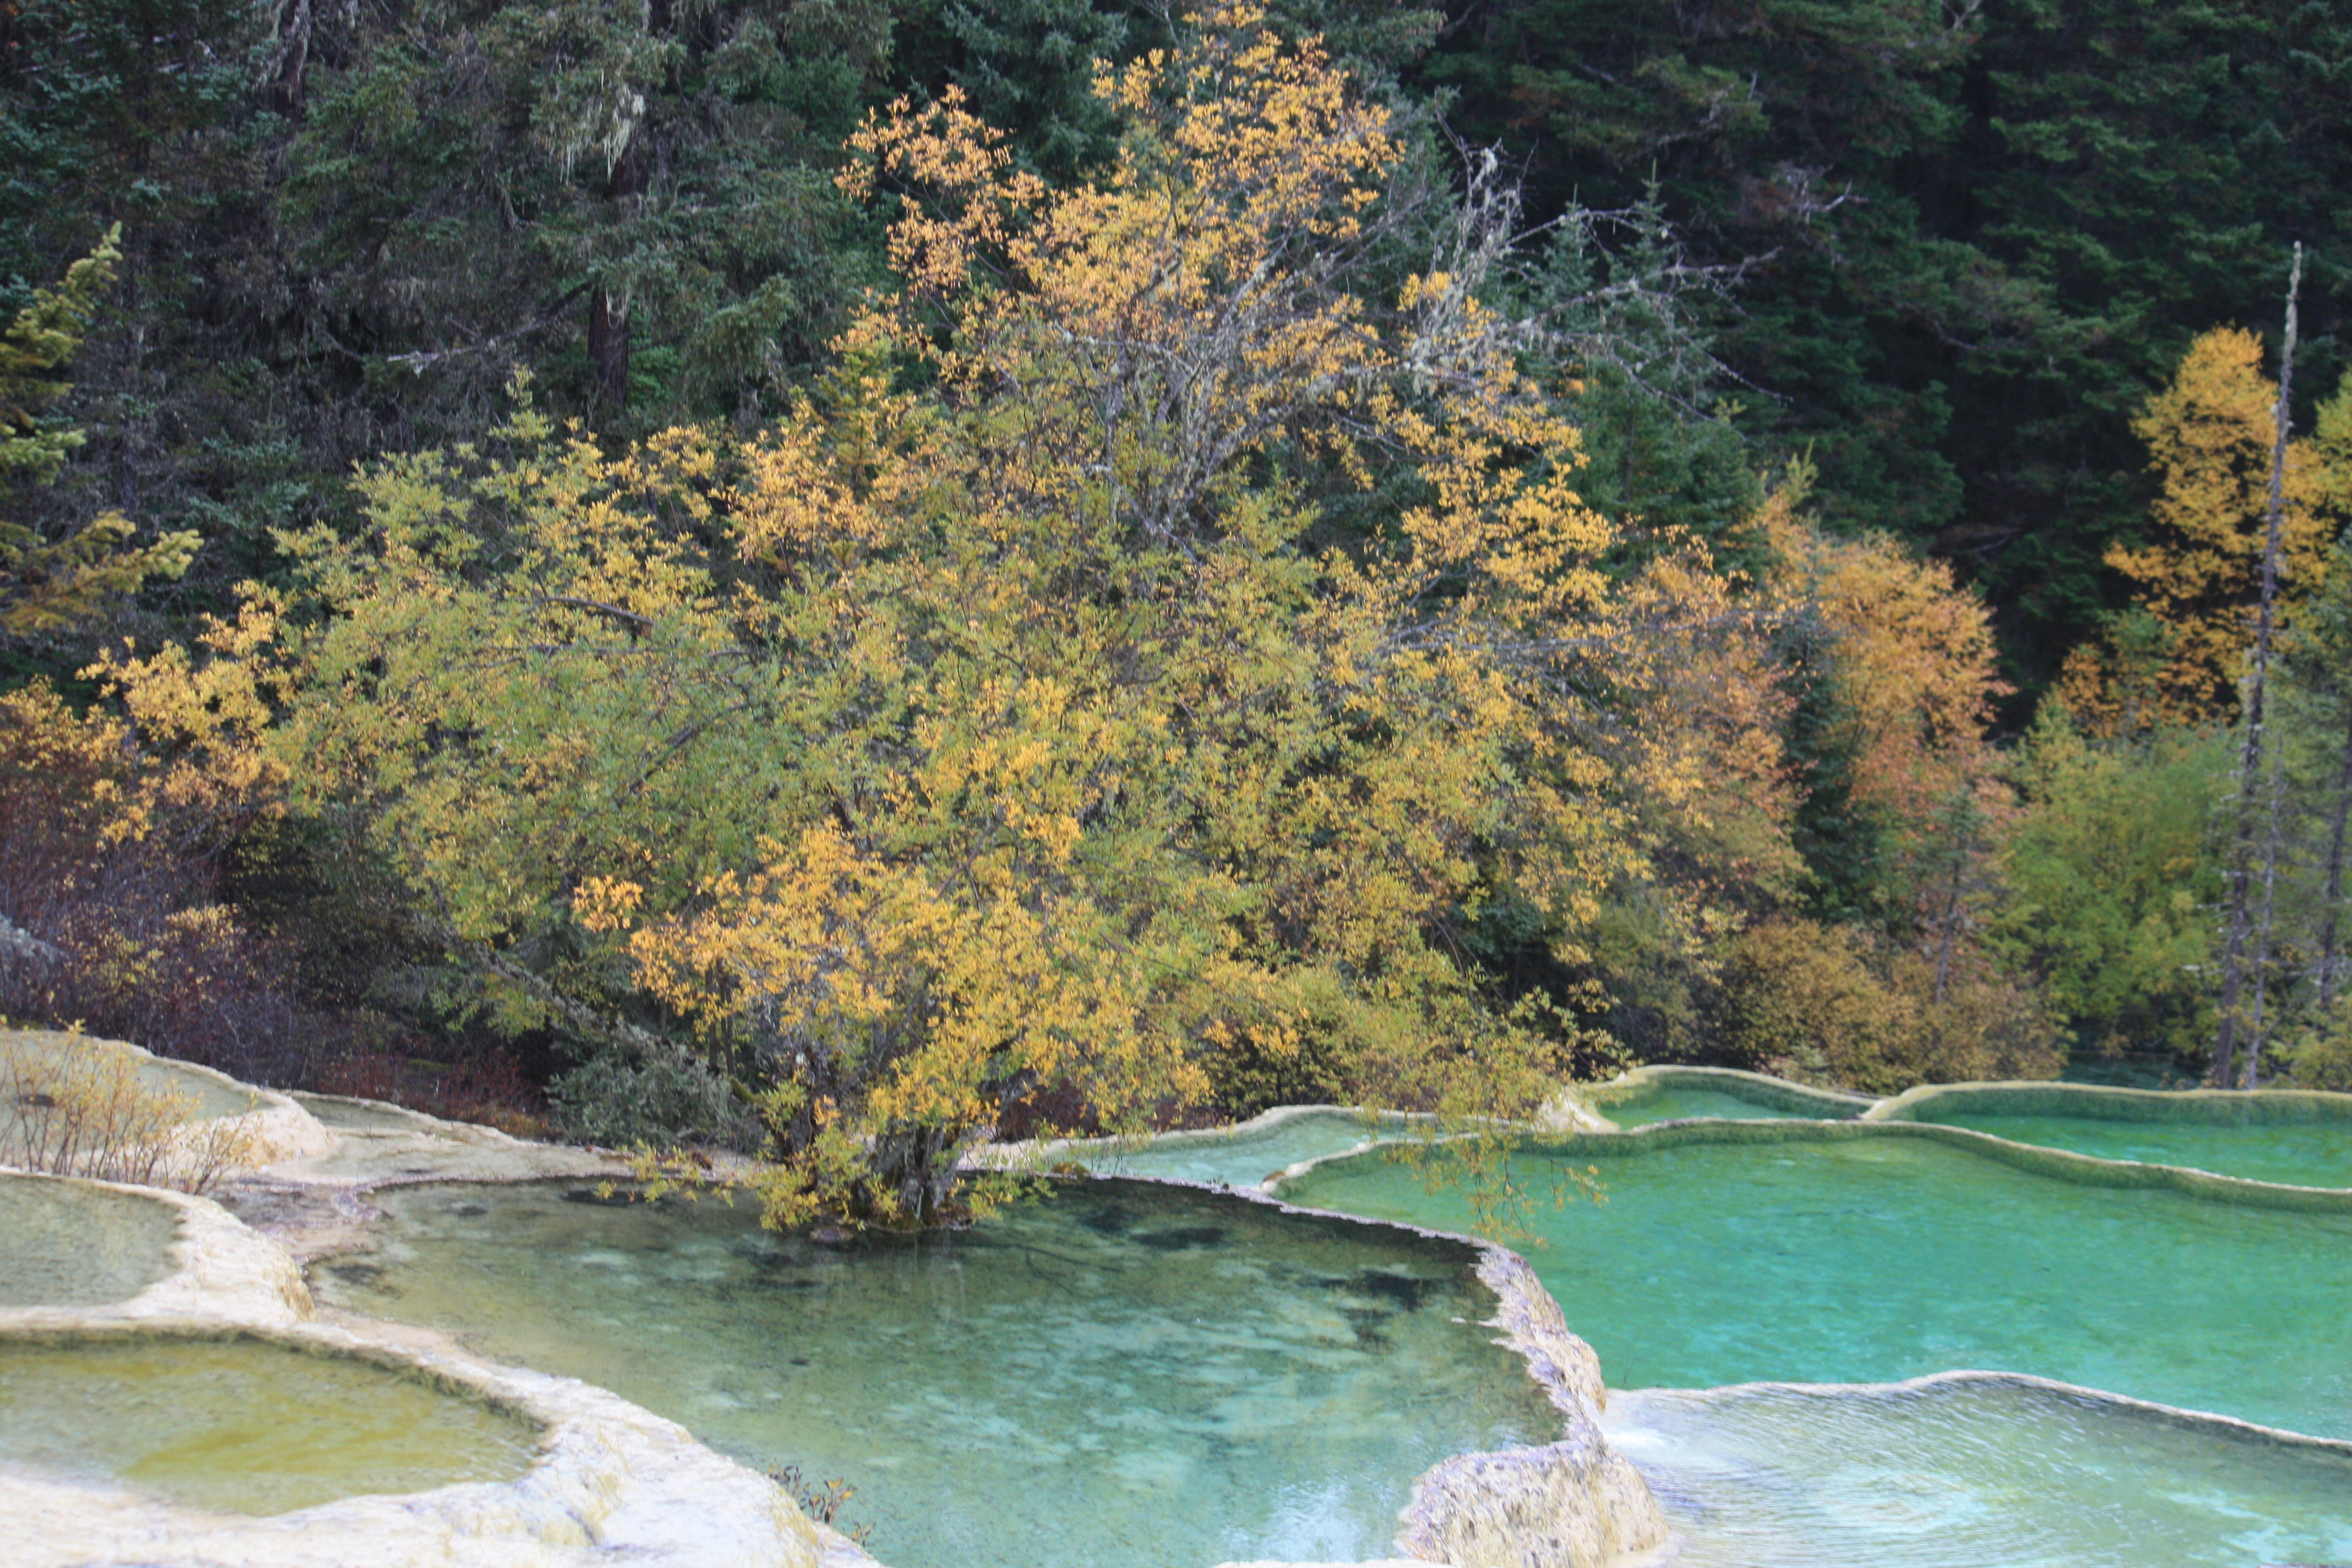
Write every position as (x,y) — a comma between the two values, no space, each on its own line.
(1962,815)
(289,78)
(608,348)
(2262,927)
(2234,1025)
(608,308)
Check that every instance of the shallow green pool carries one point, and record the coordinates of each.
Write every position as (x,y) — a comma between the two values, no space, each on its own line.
(1875,1259)
(1246,1157)
(242,1425)
(1673,1104)
(1124,1374)
(2306,1153)
(1968,1474)
(1655,1094)
(65,1244)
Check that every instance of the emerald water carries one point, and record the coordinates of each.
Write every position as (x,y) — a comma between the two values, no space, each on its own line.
(1644,1106)
(1655,1094)
(2301,1154)
(1246,1157)
(1973,1473)
(1878,1258)
(241,1424)
(66,1245)
(1121,1374)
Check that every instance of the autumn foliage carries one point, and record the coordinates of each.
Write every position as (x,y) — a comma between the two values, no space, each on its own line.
(111,855)
(1010,738)
(2195,580)
(1161,663)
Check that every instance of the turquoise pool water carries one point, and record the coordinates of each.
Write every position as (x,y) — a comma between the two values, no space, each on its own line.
(1973,1474)
(1125,1375)
(1245,1159)
(1647,1106)
(2307,1154)
(1878,1258)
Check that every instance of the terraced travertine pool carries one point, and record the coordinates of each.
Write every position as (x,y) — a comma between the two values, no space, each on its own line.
(1647,1096)
(1974,1474)
(71,1244)
(1126,1374)
(1875,1259)
(1684,1103)
(240,1425)
(1244,1156)
(1138,1373)
(2309,1154)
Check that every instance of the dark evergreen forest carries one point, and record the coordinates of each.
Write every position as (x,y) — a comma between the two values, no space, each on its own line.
(1907,313)
(1943,249)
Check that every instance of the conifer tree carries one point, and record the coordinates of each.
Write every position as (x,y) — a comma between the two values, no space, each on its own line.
(46,583)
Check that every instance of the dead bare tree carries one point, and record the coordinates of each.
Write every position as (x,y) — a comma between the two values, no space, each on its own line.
(2240,969)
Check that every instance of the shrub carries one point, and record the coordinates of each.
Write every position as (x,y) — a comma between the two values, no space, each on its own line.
(622,1102)
(76,1107)
(2322,1057)
(1826,1004)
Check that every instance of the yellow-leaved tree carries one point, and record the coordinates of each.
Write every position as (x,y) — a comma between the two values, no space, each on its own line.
(1012,738)
(2194,584)
(1911,815)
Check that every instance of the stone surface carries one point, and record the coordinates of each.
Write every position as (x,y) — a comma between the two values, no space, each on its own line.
(615,1484)
(1576,1503)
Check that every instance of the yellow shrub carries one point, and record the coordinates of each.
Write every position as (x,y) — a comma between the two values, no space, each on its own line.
(76,1107)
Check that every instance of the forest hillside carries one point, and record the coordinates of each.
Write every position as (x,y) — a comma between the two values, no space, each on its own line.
(838,579)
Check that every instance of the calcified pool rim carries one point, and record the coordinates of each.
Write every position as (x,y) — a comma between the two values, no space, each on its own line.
(609,1479)
(1896,1118)
(1728,1527)
(2148,1409)
(2050,1163)
(2059,1165)
(2107,1103)
(1575,1502)
(1477,1507)
(1111,1156)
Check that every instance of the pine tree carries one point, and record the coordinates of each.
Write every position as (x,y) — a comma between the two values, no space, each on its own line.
(46,583)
